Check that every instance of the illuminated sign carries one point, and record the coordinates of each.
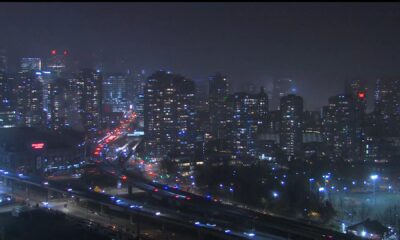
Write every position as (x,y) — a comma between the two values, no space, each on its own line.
(37,145)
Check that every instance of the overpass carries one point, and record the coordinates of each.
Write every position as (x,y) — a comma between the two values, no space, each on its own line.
(230,216)
(135,209)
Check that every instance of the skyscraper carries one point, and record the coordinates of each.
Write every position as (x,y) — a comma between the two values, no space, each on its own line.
(58,103)
(169,114)
(89,94)
(387,106)
(139,83)
(30,99)
(340,128)
(7,114)
(247,116)
(291,128)
(57,62)
(218,94)
(115,93)
(357,90)
(30,64)
(3,60)
(282,87)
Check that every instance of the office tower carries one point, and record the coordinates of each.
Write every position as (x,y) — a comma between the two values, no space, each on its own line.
(357,90)
(138,96)
(339,127)
(247,116)
(29,103)
(3,60)
(387,107)
(115,98)
(169,114)
(58,103)
(291,128)
(273,122)
(218,94)
(30,64)
(56,62)
(7,113)
(5,91)
(312,126)
(282,87)
(89,95)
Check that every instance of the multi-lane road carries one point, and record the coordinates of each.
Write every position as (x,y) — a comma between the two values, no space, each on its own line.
(205,212)
(170,205)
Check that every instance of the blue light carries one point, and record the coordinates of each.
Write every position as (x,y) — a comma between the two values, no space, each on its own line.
(321,189)
(275,194)
(363,233)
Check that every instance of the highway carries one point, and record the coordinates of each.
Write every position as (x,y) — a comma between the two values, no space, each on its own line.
(205,212)
(173,206)
(133,207)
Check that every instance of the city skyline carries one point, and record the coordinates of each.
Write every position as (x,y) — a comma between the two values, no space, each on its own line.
(318,45)
(212,121)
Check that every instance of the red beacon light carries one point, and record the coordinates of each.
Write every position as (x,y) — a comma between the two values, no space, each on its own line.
(53,52)
(124,178)
(361,95)
(65,52)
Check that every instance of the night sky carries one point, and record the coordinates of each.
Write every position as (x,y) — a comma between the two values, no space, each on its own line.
(319,45)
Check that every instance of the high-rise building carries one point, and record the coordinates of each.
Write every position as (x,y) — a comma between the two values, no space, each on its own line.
(89,95)
(291,128)
(29,100)
(59,103)
(7,113)
(5,91)
(169,115)
(312,126)
(339,128)
(138,96)
(30,64)
(273,122)
(57,62)
(3,60)
(247,115)
(282,87)
(218,95)
(357,90)
(115,93)
(387,106)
